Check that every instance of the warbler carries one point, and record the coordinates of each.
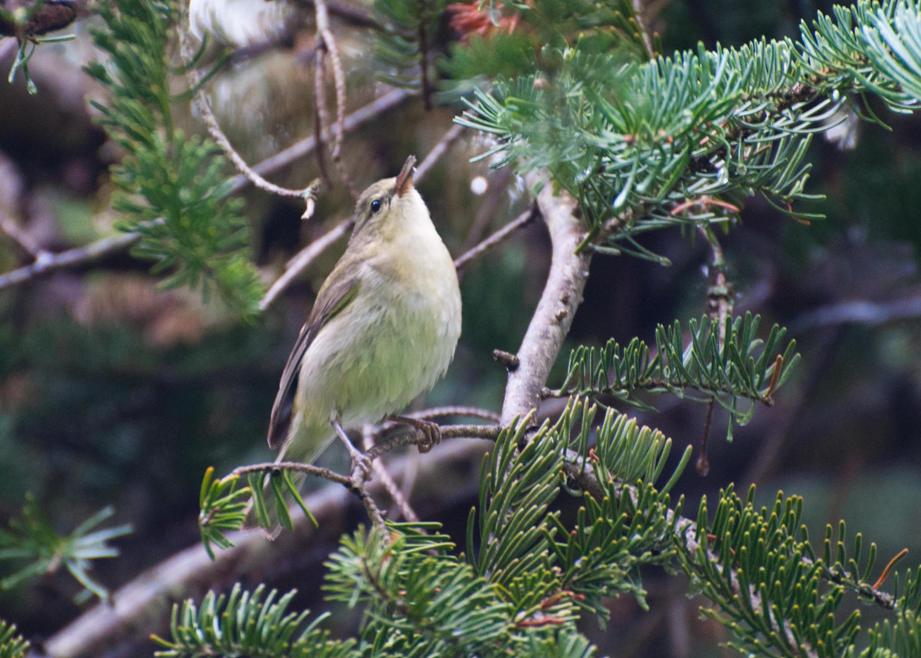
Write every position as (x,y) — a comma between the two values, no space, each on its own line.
(383,328)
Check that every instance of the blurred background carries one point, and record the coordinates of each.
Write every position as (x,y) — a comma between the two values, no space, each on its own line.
(113,391)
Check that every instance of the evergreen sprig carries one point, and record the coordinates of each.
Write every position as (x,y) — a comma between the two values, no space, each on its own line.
(704,366)
(254,624)
(12,645)
(31,539)
(757,566)
(684,139)
(419,599)
(172,188)
(404,51)
(225,503)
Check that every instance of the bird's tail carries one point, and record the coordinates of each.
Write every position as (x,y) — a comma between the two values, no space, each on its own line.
(276,487)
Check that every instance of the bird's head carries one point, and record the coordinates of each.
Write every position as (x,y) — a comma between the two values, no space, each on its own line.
(389,203)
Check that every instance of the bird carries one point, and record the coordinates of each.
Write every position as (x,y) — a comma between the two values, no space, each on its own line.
(382,331)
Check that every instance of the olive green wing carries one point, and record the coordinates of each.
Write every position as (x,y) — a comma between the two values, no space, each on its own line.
(335,295)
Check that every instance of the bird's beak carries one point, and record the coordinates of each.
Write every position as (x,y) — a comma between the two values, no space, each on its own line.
(405,178)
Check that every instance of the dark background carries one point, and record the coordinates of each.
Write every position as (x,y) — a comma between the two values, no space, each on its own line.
(115,392)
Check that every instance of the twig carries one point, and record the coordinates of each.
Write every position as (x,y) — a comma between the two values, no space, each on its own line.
(454,410)
(424,64)
(644,31)
(719,308)
(351,14)
(441,147)
(298,467)
(326,44)
(496,238)
(508,360)
(214,127)
(108,246)
(68,259)
(558,303)
(410,437)
(858,311)
(368,438)
(302,260)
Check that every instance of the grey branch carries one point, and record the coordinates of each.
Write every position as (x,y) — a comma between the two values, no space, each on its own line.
(558,303)
(303,260)
(496,238)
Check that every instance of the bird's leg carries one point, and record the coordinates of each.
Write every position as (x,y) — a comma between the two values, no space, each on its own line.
(430,430)
(361,465)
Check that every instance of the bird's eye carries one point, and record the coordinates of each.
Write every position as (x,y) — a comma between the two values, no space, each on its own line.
(375,205)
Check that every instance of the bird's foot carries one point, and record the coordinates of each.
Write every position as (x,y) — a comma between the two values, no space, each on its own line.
(429,431)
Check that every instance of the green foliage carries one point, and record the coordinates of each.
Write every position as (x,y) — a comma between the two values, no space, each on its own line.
(901,636)
(30,539)
(701,369)
(224,504)
(253,624)
(759,569)
(520,38)
(643,147)
(172,187)
(12,645)
(403,50)
(627,522)
(419,600)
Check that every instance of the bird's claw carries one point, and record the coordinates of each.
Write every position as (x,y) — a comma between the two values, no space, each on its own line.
(431,435)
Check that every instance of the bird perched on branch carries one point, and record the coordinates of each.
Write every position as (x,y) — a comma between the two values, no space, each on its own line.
(382,331)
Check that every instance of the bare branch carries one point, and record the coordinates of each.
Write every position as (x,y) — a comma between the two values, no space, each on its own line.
(214,127)
(368,435)
(303,260)
(455,410)
(496,238)
(558,303)
(348,13)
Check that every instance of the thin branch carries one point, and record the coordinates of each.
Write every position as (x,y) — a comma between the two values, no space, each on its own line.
(108,246)
(424,62)
(451,135)
(348,13)
(858,311)
(326,44)
(380,469)
(719,307)
(454,410)
(303,260)
(214,127)
(558,303)
(297,467)
(411,437)
(69,259)
(644,30)
(496,238)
